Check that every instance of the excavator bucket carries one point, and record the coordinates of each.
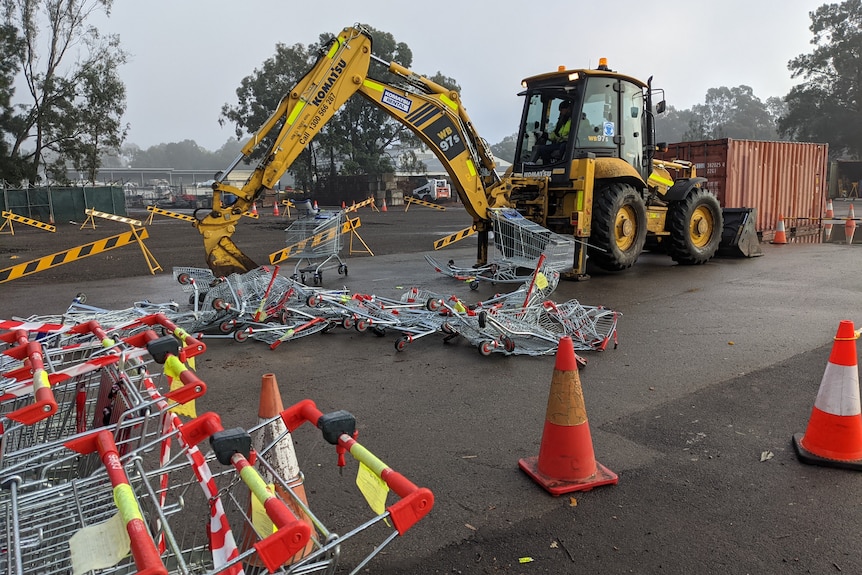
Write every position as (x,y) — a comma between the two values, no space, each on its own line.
(739,236)
(226,258)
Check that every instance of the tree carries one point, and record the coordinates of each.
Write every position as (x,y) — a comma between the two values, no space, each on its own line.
(673,124)
(827,106)
(505,149)
(10,45)
(64,86)
(731,113)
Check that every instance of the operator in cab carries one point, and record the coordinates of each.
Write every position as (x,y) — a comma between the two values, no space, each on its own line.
(556,140)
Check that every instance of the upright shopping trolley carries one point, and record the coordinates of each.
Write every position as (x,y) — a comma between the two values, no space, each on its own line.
(518,243)
(315,242)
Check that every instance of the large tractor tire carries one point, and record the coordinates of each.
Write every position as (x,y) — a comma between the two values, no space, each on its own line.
(618,227)
(695,225)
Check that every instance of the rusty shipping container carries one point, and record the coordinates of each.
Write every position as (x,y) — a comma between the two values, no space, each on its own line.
(779,179)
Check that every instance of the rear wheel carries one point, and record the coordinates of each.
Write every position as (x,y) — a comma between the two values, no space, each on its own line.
(695,224)
(618,227)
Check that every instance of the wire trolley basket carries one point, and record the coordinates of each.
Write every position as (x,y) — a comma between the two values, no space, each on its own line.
(315,242)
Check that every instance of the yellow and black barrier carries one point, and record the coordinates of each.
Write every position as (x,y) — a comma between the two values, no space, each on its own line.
(411,200)
(451,239)
(92,214)
(80,252)
(362,204)
(154,210)
(317,239)
(10,217)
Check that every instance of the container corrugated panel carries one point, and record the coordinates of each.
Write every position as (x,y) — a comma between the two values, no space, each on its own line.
(779,179)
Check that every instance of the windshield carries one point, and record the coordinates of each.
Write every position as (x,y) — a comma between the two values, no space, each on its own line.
(546,126)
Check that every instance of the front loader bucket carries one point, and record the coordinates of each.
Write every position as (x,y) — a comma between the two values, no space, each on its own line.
(739,237)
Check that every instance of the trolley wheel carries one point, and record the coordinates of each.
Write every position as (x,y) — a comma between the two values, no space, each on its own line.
(486,348)
(240,335)
(226,326)
(342,270)
(184,279)
(447,328)
(432,304)
(361,325)
(294,277)
(508,344)
(378,331)
(81,297)
(302,279)
(401,343)
(219,304)
(474,285)
(314,300)
(483,319)
(347,322)
(330,325)
(284,317)
(318,278)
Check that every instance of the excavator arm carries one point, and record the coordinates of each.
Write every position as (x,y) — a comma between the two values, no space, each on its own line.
(433,112)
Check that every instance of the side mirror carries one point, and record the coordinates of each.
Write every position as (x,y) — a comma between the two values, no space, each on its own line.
(660,107)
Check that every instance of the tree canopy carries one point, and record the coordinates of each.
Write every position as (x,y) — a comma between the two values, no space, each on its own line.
(75,99)
(827,106)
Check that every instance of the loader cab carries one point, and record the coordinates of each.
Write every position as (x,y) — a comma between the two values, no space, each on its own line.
(608,120)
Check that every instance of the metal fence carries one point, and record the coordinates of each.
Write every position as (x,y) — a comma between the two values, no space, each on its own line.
(50,204)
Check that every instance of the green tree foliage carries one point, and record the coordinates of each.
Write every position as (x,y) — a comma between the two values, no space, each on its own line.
(505,149)
(731,113)
(11,44)
(75,99)
(827,106)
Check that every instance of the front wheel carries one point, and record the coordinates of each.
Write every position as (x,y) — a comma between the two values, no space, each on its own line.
(618,227)
(695,224)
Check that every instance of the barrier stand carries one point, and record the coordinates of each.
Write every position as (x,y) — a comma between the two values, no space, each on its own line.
(411,200)
(10,217)
(154,210)
(353,225)
(136,226)
(452,238)
(362,204)
(91,214)
(76,253)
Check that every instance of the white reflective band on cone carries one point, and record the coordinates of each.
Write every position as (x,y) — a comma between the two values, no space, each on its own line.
(839,390)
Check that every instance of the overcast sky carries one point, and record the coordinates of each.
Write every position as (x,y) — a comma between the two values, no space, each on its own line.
(188,57)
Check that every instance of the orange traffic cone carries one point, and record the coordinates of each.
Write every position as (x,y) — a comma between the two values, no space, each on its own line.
(566,461)
(850,225)
(254,208)
(827,228)
(315,206)
(275,208)
(282,455)
(834,434)
(780,235)
(383,209)
(343,205)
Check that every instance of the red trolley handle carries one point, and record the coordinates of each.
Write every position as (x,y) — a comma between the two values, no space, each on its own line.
(44,404)
(144,550)
(292,534)
(339,429)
